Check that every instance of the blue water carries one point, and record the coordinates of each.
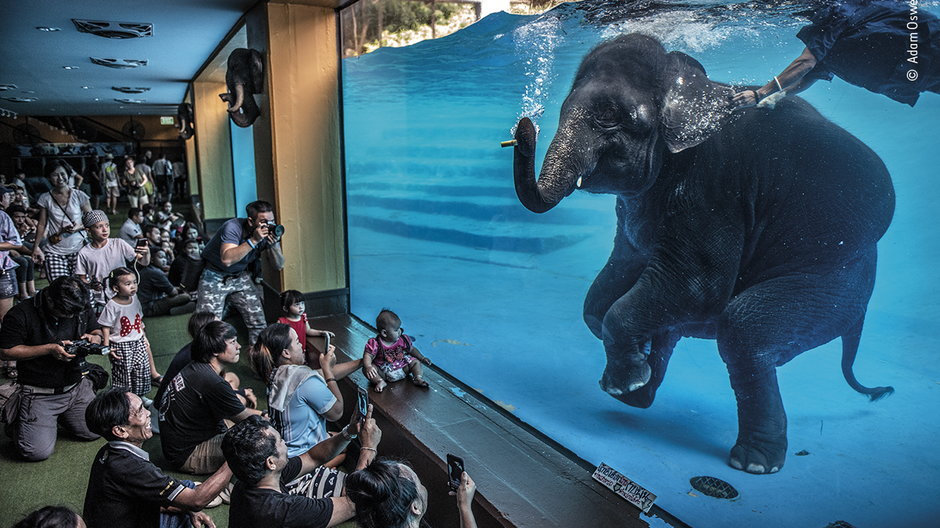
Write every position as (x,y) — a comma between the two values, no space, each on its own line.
(494,293)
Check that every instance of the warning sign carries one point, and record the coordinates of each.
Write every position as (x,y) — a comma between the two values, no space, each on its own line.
(631,491)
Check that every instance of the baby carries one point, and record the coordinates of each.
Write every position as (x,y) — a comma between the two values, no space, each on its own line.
(390,355)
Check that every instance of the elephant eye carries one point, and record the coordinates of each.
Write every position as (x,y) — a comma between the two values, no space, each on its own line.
(608,116)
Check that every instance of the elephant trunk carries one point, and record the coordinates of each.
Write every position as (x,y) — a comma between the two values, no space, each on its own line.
(559,172)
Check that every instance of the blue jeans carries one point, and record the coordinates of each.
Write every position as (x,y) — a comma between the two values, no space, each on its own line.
(177,520)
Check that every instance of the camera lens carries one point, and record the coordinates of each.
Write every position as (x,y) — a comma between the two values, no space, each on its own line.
(278,230)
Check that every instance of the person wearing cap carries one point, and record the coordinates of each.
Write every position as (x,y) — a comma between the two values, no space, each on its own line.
(102,254)
(112,189)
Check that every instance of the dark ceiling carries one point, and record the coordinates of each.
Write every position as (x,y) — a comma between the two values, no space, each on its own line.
(185,32)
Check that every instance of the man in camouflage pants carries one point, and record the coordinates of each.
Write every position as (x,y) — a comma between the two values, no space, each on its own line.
(232,264)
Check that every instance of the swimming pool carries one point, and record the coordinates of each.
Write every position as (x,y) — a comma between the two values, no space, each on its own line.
(494,293)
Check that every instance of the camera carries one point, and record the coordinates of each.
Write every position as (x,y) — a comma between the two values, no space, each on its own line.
(83,347)
(276,230)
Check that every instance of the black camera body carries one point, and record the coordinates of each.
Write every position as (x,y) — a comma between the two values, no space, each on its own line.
(84,347)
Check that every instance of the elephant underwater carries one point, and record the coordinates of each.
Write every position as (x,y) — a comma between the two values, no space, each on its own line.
(756,228)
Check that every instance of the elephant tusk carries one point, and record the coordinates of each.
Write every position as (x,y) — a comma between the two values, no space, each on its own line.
(578,184)
(510,143)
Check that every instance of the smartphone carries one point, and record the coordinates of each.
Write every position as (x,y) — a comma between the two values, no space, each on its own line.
(326,343)
(142,242)
(362,403)
(454,471)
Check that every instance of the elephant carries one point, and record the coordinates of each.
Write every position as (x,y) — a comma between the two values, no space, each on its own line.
(756,228)
(244,77)
(184,117)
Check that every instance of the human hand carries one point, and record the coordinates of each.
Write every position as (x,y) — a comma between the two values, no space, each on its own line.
(57,351)
(93,338)
(325,333)
(328,358)
(142,251)
(38,255)
(113,354)
(261,231)
(466,491)
(200,519)
(744,99)
(369,433)
(371,372)
(252,399)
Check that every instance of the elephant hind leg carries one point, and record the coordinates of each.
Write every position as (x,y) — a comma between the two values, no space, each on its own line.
(850,342)
(769,324)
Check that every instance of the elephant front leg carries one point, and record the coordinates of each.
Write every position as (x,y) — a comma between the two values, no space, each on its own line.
(643,377)
(761,446)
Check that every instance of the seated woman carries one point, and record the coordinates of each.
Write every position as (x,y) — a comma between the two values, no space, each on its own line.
(300,399)
(388,494)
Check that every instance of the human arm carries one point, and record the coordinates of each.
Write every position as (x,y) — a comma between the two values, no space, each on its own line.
(367,367)
(327,361)
(789,80)
(415,353)
(313,332)
(274,255)
(369,433)
(40,234)
(197,498)
(230,253)
(20,352)
(465,500)
(343,510)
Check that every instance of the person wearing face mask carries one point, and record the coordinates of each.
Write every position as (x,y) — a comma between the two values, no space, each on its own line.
(233,257)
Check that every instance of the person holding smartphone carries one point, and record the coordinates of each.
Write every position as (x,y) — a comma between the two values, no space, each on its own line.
(102,254)
(389,493)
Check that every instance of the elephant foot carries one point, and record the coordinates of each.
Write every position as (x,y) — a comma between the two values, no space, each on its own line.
(759,457)
(627,375)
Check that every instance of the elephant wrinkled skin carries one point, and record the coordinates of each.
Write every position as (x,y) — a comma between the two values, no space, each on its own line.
(756,228)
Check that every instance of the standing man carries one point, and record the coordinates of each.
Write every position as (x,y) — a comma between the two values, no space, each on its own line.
(233,266)
(163,177)
(109,178)
(54,389)
(179,177)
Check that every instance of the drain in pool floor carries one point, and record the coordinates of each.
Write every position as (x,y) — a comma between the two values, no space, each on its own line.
(714,487)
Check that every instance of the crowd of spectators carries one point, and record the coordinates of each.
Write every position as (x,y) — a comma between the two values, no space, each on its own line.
(287,466)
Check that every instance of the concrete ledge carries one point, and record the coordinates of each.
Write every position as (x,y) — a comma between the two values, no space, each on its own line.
(523,480)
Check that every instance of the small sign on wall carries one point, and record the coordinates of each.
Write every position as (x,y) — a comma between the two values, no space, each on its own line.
(631,491)
(167,120)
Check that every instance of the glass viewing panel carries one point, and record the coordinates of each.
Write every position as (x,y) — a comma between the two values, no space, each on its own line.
(763,231)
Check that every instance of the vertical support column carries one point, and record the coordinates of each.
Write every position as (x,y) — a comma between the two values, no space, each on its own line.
(192,166)
(297,143)
(214,152)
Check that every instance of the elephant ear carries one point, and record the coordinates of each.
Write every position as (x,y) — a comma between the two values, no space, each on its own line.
(694,107)
(256,71)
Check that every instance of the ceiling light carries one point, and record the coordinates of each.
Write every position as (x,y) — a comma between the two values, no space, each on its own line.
(131,101)
(85,87)
(130,89)
(119,63)
(114,30)
(21,99)
(47,29)
(69,67)
(6,87)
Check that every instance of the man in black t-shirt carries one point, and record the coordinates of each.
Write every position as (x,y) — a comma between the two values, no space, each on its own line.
(258,457)
(198,400)
(54,389)
(126,489)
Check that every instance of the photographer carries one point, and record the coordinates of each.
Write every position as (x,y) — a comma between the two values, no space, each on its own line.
(37,333)
(233,271)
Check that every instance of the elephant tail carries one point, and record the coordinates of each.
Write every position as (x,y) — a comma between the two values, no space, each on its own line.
(850,342)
